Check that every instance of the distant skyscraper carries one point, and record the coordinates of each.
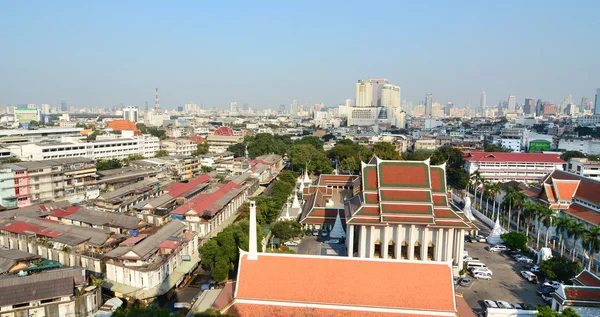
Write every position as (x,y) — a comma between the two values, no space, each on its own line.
(348,103)
(428,104)
(539,108)
(597,102)
(390,96)
(282,108)
(245,107)
(233,107)
(482,102)
(179,109)
(294,108)
(512,101)
(449,106)
(368,92)
(45,108)
(585,104)
(529,106)
(63,106)
(130,113)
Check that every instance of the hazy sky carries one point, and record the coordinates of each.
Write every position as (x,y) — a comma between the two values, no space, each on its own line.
(101,53)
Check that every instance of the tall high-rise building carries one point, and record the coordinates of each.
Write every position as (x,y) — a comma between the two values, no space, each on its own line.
(294,108)
(539,108)
(585,104)
(348,103)
(368,92)
(130,113)
(45,108)
(597,102)
(390,96)
(233,107)
(529,106)
(63,106)
(482,102)
(428,104)
(512,102)
(190,108)
(448,109)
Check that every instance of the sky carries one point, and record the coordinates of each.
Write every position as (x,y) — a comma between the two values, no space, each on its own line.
(267,53)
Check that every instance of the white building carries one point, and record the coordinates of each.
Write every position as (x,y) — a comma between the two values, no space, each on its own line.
(219,143)
(154,264)
(131,113)
(145,145)
(505,167)
(587,145)
(179,147)
(46,108)
(156,118)
(584,167)
(512,144)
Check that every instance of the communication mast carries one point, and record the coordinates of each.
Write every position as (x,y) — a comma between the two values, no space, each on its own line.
(156,103)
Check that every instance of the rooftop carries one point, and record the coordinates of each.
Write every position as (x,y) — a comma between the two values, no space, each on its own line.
(480,156)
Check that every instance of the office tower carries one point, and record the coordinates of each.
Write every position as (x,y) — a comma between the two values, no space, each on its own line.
(233,107)
(482,102)
(368,92)
(245,107)
(294,108)
(449,106)
(190,108)
(549,109)
(63,106)
(282,108)
(529,106)
(512,100)
(584,104)
(597,102)
(390,96)
(419,111)
(348,103)
(130,113)
(45,108)
(437,110)
(428,104)
(179,109)
(538,107)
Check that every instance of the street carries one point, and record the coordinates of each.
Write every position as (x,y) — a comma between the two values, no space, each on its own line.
(506,284)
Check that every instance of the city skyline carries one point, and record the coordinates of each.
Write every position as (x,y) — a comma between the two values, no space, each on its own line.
(264,55)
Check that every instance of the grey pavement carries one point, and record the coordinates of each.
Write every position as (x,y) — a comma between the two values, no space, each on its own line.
(309,245)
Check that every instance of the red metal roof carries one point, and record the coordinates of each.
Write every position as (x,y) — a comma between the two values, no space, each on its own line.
(225,131)
(205,201)
(480,156)
(24,227)
(177,189)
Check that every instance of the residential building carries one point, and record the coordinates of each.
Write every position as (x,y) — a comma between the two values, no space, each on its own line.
(592,120)
(179,147)
(583,145)
(38,135)
(512,102)
(173,167)
(123,199)
(220,143)
(156,118)
(584,167)
(425,144)
(124,125)
(58,292)
(583,296)
(505,167)
(549,109)
(428,104)
(131,113)
(147,266)
(119,177)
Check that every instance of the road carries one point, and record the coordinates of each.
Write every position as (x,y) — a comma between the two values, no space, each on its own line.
(309,245)
(187,293)
(506,284)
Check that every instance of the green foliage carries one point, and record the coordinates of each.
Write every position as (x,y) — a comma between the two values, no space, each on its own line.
(157,132)
(515,240)
(349,155)
(10,160)
(328,137)
(547,311)
(280,191)
(102,165)
(496,148)
(587,131)
(267,209)
(206,169)
(301,155)
(201,149)
(221,253)
(137,311)
(135,157)
(419,155)
(212,313)
(312,140)
(265,143)
(569,154)
(559,268)
(142,128)
(288,177)
(386,151)
(238,149)
(286,229)
(285,250)
(161,153)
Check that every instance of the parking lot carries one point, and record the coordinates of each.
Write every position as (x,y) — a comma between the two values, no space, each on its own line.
(506,283)
(317,246)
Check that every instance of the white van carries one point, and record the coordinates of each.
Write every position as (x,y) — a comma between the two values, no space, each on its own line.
(475,264)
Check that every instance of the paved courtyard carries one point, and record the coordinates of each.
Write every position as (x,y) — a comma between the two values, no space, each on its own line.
(506,284)
(317,246)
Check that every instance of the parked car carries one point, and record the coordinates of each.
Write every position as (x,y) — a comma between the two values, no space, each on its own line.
(553,284)
(529,276)
(535,269)
(482,276)
(291,243)
(470,239)
(497,248)
(467,258)
(480,238)
(517,305)
(456,280)
(481,270)
(324,233)
(516,255)
(524,259)
(503,304)
(315,232)
(332,241)
(545,289)
(490,303)
(547,296)
(464,282)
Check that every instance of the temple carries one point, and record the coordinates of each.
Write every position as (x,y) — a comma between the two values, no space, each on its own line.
(393,210)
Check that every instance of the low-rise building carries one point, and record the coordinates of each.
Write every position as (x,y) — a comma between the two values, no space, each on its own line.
(178,167)
(123,199)
(220,143)
(583,145)
(147,266)
(179,147)
(505,167)
(583,296)
(584,167)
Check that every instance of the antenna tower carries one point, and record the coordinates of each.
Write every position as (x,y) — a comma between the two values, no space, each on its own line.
(156,103)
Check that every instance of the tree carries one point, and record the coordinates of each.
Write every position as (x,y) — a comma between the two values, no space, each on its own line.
(510,198)
(10,160)
(496,148)
(519,203)
(238,149)
(265,143)
(515,240)
(591,242)
(280,191)
(202,148)
(302,155)
(206,169)
(134,157)
(161,153)
(142,128)
(386,151)
(102,165)
(494,189)
(418,155)
(138,311)
(212,313)
(569,154)
(559,268)
(453,158)
(548,218)
(575,232)
(288,177)
(487,186)
(286,229)
(328,137)
(562,226)
(547,311)
(349,155)
(312,140)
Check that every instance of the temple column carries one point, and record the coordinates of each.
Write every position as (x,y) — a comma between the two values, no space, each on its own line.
(398,241)
(424,243)
(461,253)
(362,241)
(449,245)
(438,244)
(457,249)
(371,241)
(384,250)
(411,243)
(350,240)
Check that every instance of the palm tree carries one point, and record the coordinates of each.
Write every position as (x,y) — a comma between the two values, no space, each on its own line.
(548,218)
(575,232)
(510,200)
(562,226)
(520,201)
(486,188)
(591,242)
(477,180)
(530,212)
(494,190)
